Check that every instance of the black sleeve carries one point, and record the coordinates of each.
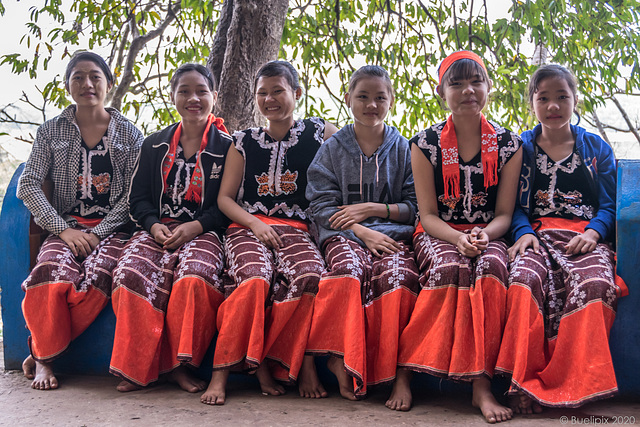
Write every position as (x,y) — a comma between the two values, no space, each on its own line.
(143,207)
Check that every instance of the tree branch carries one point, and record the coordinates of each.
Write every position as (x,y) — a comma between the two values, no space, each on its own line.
(455,24)
(600,127)
(141,86)
(435,24)
(138,42)
(470,29)
(625,116)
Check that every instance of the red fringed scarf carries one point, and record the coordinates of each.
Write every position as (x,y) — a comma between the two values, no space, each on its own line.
(450,165)
(194,192)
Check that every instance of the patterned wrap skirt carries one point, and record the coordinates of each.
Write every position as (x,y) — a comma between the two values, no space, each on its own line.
(63,295)
(166,303)
(560,311)
(267,312)
(363,305)
(457,323)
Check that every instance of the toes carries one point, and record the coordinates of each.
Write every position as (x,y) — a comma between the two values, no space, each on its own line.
(504,416)
(212,399)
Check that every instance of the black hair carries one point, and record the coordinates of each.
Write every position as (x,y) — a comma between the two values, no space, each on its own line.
(464,69)
(551,71)
(185,68)
(371,71)
(88,56)
(279,68)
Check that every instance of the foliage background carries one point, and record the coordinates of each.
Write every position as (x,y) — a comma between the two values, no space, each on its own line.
(327,39)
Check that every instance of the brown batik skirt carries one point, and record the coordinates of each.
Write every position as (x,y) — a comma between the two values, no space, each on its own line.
(166,304)
(363,305)
(268,310)
(560,311)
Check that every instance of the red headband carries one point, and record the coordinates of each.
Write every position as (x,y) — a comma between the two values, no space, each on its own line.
(455,56)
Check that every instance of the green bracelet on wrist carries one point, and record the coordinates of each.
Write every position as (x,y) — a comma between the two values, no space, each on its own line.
(388,211)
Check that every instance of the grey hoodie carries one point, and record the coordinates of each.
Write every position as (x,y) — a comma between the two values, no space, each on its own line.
(341,174)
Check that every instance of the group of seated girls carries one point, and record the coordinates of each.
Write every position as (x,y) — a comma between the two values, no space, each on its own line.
(297,239)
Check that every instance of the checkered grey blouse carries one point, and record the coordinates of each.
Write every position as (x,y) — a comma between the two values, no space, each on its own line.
(56,155)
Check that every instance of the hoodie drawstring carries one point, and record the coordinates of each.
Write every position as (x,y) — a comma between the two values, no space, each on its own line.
(377,174)
(361,176)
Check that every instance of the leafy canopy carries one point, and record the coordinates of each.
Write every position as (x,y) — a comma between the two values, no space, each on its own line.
(328,39)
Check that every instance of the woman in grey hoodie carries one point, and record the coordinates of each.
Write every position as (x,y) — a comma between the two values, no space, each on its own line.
(362,199)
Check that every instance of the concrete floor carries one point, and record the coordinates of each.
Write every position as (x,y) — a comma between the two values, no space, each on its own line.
(94,401)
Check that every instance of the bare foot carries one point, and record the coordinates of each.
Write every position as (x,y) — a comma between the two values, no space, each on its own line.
(216,392)
(187,380)
(522,404)
(126,386)
(336,365)
(44,378)
(267,383)
(400,399)
(29,367)
(483,398)
(309,384)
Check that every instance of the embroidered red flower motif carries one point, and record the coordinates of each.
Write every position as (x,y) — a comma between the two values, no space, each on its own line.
(101,182)
(288,182)
(479,199)
(449,202)
(542,198)
(263,187)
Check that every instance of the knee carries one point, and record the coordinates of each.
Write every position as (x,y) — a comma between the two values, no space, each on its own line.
(595,290)
(492,263)
(207,269)
(529,270)
(350,266)
(242,271)
(447,270)
(310,268)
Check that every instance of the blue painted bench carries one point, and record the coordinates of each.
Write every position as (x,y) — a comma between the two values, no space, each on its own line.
(90,353)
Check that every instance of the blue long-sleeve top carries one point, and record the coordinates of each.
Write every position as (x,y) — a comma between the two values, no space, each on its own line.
(600,162)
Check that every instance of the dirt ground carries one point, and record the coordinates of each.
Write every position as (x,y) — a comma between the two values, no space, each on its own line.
(94,401)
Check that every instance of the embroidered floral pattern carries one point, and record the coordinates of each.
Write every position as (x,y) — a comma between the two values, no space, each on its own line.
(558,189)
(174,204)
(276,187)
(93,182)
(565,284)
(475,204)
(377,276)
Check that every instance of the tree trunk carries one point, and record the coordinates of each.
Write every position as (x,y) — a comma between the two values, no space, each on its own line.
(249,32)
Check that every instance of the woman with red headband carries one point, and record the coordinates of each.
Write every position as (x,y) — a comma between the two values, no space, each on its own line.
(466,172)
(167,285)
